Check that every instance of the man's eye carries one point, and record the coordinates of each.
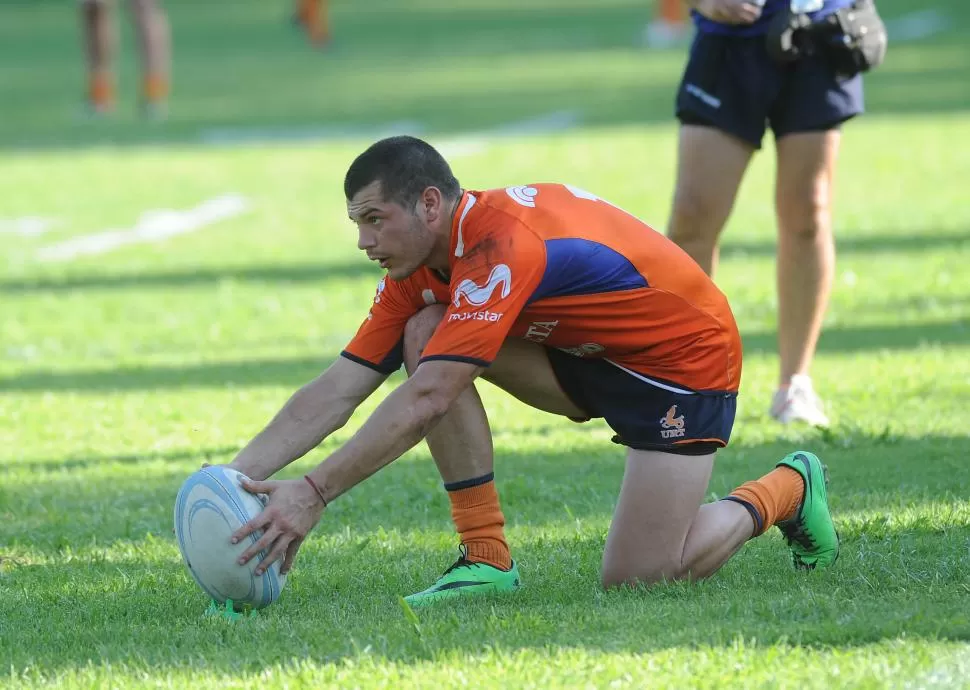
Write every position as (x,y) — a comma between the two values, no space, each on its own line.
(374,220)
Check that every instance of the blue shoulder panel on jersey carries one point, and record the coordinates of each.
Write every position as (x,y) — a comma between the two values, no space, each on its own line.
(577,266)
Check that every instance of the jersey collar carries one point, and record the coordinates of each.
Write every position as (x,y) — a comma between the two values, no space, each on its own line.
(457,238)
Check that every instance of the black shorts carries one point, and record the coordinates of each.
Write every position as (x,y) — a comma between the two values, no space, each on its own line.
(646,413)
(731,83)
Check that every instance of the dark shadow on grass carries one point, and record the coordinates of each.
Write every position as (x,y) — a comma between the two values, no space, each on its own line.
(296,371)
(868,338)
(307,272)
(312,272)
(546,487)
(83,462)
(871,243)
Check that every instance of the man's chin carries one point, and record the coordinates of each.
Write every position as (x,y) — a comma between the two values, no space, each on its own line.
(400,272)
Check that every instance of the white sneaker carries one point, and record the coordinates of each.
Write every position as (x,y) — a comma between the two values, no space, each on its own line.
(798,403)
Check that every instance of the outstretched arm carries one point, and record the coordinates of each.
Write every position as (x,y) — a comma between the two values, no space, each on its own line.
(400,422)
(310,415)
(397,425)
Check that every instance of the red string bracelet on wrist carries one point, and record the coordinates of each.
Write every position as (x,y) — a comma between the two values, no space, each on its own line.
(315,488)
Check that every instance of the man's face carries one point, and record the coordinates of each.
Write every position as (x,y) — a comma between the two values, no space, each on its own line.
(392,235)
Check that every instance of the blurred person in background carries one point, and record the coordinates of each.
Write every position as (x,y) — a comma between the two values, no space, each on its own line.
(101,40)
(314,17)
(669,27)
(734,85)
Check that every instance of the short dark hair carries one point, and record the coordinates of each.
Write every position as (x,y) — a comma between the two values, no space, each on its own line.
(405,167)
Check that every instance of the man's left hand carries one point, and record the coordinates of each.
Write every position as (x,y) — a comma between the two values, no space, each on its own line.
(293,510)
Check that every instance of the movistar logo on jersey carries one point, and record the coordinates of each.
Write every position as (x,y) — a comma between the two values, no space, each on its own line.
(475,316)
(477,295)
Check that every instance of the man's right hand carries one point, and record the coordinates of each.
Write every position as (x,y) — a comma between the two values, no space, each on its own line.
(728,11)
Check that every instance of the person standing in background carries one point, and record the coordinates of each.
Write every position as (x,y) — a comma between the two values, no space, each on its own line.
(100,42)
(731,89)
(314,17)
(669,27)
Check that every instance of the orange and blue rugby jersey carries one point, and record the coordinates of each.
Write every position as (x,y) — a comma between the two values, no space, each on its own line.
(556,265)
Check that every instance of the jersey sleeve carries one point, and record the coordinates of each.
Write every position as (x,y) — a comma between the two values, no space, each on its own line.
(379,342)
(490,285)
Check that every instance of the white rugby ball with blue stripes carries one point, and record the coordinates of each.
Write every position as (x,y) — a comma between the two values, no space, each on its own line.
(210,506)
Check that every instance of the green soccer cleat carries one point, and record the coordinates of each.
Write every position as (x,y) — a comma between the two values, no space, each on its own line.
(811,536)
(466,578)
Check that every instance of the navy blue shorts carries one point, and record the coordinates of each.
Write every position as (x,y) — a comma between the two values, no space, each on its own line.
(645,413)
(731,83)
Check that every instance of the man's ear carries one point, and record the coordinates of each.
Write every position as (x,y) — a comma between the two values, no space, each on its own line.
(430,204)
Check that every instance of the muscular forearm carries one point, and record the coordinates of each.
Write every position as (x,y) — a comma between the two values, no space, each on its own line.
(309,416)
(397,425)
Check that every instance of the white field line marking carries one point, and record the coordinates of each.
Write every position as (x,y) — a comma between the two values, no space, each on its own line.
(916,25)
(478,142)
(28,226)
(263,136)
(449,146)
(152,226)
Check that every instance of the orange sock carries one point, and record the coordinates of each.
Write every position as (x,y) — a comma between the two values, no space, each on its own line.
(773,498)
(301,10)
(478,518)
(101,90)
(316,15)
(155,88)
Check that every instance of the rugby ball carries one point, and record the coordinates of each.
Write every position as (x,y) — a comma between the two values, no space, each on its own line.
(210,506)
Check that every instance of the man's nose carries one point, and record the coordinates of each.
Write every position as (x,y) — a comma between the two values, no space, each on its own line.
(365,240)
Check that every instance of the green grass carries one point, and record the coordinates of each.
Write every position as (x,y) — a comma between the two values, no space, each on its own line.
(120,373)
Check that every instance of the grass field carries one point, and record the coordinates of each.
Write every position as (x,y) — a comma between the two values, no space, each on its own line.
(121,372)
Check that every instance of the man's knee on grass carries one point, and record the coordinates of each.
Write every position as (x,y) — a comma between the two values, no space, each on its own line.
(659,571)
(418,332)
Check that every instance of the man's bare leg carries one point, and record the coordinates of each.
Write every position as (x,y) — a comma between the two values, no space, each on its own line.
(461,445)
(806,258)
(660,529)
(100,44)
(710,166)
(155,48)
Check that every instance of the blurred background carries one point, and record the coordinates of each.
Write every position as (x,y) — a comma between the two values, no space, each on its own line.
(227,198)
(268,101)
(248,70)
